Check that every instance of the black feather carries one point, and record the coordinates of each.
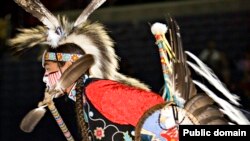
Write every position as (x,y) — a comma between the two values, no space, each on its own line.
(182,76)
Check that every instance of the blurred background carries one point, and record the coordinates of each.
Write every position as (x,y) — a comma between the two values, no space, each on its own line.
(215,30)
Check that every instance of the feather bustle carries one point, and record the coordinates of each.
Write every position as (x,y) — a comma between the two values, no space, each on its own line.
(228,109)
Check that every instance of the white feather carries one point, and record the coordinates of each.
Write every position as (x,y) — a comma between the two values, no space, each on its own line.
(212,79)
(53,38)
(159,28)
(203,66)
(231,111)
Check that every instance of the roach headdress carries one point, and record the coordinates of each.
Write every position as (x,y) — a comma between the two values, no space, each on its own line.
(92,38)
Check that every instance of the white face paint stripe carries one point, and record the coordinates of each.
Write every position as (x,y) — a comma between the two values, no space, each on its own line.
(53,78)
(50,79)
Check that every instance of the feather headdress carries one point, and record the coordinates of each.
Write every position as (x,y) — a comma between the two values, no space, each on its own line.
(91,37)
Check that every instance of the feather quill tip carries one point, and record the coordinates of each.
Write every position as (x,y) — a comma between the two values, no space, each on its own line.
(159,28)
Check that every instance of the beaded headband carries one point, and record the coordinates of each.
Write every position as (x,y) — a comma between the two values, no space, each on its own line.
(63,57)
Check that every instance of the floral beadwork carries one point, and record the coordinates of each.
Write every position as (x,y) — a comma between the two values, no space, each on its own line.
(99,133)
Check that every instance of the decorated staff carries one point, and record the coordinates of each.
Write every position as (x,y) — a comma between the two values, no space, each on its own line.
(167,57)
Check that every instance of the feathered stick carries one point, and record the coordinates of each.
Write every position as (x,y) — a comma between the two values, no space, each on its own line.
(34,116)
(168,60)
(159,30)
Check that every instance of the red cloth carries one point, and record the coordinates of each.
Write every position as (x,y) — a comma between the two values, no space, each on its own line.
(120,103)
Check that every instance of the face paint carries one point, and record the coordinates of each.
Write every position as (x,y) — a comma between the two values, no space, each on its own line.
(52,78)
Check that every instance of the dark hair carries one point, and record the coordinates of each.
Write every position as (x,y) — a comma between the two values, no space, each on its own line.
(67,48)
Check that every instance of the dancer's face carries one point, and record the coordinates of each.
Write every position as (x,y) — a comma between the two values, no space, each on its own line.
(53,72)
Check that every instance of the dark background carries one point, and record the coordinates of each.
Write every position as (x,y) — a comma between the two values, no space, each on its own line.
(21,86)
